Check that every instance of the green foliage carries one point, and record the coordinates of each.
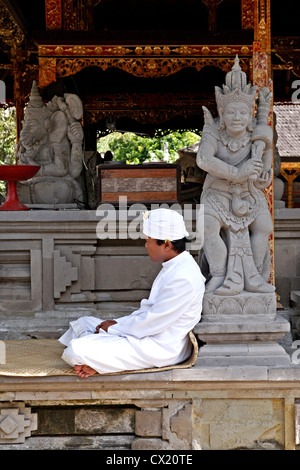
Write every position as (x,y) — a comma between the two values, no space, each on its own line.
(8,135)
(8,138)
(132,148)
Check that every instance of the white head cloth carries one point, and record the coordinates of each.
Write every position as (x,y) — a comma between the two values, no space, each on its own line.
(164,224)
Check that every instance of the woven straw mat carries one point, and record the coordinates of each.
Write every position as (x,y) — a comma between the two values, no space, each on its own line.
(42,357)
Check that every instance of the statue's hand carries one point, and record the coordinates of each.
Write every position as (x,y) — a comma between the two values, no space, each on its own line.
(75,132)
(265,179)
(29,155)
(257,149)
(265,96)
(251,168)
(61,104)
(22,159)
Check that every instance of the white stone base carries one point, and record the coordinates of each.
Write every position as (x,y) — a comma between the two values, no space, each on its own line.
(246,354)
(242,342)
(241,330)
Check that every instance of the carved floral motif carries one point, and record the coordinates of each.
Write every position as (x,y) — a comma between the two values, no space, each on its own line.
(141,61)
(53,59)
(53,13)
(247,14)
(11,33)
(155,50)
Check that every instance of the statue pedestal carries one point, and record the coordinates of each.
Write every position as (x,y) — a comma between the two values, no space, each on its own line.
(243,306)
(242,330)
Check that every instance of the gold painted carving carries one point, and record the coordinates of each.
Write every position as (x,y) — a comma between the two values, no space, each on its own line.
(47,71)
(262,24)
(69,15)
(10,32)
(141,61)
(287,49)
(146,108)
(78,15)
(141,67)
(247,14)
(143,116)
(262,78)
(53,11)
(155,50)
(261,74)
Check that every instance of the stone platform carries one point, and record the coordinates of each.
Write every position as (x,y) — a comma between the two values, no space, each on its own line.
(205,407)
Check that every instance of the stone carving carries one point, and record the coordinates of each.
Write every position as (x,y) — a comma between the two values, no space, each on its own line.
(247,304)
(52,137)
(236,152)
(16,423)
(64,273)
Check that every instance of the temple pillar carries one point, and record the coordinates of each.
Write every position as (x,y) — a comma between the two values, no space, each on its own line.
(262,73)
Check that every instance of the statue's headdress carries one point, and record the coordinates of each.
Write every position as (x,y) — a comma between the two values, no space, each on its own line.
(236,88)
(36,108)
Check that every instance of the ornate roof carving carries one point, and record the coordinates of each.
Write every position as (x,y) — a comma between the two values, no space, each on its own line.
(11,33)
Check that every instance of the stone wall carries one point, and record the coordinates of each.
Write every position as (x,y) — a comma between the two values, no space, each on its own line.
(54,268)
(218,424)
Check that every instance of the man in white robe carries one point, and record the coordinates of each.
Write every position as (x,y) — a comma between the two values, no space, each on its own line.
(156,334)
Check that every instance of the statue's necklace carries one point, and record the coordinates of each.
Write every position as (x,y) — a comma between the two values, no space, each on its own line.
(234,143)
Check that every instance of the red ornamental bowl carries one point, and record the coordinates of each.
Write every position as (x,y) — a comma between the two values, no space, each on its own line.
(17,172)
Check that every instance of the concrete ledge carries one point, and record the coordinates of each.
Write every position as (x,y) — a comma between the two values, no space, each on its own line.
(176,378)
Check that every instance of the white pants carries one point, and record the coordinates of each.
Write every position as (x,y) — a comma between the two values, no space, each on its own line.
(103,352)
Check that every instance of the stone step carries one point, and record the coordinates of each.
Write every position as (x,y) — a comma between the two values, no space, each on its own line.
(49,324)
(240,330)
(238,355)
(295,296)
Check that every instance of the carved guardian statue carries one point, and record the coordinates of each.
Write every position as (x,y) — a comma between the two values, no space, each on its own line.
(236,152)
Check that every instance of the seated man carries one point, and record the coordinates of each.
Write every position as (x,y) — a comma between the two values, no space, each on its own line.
(156,334)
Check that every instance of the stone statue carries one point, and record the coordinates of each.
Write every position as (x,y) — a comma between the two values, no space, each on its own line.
(236,152)
(52,137)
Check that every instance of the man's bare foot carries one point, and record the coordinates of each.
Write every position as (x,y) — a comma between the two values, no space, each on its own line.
(84,371)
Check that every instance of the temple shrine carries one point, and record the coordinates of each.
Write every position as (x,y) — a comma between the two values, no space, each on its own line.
(146,67)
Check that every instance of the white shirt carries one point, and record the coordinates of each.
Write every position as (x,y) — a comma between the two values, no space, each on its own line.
(158,329)
(155,335)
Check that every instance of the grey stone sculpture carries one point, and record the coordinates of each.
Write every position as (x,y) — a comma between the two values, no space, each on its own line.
(52,137)
(236,152)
